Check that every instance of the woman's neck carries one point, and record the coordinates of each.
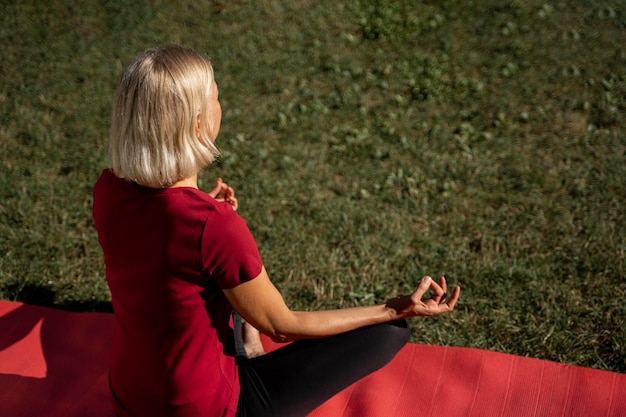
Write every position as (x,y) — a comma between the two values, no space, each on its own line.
(187,182)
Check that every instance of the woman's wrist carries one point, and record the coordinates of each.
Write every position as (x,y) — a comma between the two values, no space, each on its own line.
(397,307)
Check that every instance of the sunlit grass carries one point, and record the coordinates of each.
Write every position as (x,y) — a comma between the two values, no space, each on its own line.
(370,142)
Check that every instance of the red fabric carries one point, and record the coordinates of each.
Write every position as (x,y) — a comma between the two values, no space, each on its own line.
(167,254)
(72,352)
(431,381)
(53,363)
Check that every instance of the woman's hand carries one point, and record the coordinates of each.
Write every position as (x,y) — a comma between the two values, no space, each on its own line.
(415,305)
(222,192)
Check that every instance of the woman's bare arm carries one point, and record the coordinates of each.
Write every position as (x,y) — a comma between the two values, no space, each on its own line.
(260,303)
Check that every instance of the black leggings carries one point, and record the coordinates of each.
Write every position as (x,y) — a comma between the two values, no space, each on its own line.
(295,379)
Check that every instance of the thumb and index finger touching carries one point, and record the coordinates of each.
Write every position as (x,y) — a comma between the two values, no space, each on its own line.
(444,301)
(222,192)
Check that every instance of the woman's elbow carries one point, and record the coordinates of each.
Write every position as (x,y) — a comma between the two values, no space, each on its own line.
(282,335)
(281,338)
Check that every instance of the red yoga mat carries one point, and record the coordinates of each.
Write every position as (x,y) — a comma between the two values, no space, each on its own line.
(54,363)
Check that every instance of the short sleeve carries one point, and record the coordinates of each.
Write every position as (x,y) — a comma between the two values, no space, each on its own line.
(230,254)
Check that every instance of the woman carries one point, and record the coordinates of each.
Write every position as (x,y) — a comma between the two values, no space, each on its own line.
(179,261)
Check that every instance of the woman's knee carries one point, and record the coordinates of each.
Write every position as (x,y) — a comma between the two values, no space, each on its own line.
(386,338)
(397,331)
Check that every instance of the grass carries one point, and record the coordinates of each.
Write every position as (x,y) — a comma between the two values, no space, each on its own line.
(370,143)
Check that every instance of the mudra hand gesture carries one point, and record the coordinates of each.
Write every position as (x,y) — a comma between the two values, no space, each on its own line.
(222,192)
(415,305)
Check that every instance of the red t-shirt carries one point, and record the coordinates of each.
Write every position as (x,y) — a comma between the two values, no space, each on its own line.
(168,254)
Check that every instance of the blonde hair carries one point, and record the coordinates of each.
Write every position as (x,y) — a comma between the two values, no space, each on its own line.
(162,94)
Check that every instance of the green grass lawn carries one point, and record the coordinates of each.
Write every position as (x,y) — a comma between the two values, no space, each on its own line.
(370,143)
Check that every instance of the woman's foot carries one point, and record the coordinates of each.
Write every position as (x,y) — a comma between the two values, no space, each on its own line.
(252,341)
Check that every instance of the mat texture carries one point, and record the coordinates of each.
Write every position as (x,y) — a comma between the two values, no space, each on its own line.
(54,363)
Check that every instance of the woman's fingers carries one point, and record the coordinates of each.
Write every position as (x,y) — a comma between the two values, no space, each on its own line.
(222,192)
(421,289)
(439,290)
(443,284)
(439,302)
(232,200)
(428,283)
(219,187)
(454,297)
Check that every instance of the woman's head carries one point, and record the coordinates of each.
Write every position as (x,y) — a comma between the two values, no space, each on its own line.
(166,117)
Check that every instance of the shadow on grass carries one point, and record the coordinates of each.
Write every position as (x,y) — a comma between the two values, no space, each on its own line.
(46,297)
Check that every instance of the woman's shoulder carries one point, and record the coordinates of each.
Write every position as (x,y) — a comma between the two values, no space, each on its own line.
(109,183)
(106,177)
(178,204)
(192,199)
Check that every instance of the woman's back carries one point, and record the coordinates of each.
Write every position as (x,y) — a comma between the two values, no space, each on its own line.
(172,319)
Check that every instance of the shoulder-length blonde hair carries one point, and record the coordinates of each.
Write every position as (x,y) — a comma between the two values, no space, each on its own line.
(162,96)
